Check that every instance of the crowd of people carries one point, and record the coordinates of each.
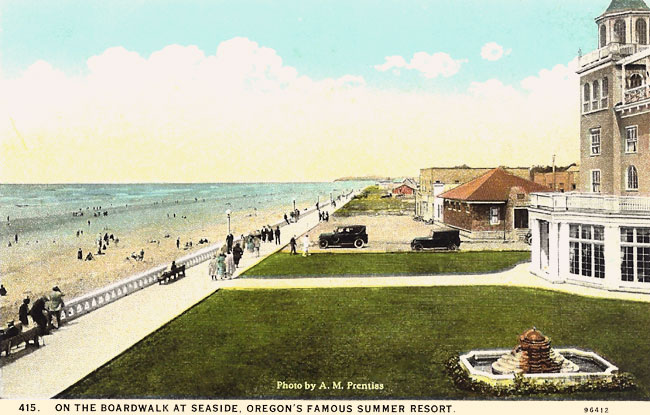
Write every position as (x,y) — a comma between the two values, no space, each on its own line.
(42,312)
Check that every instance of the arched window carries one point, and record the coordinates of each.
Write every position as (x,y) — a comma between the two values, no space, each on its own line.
(605,93)
(595,94)
(632,178)
(586,97)
(641,32)
(603,36)
(636,80)
(619,31)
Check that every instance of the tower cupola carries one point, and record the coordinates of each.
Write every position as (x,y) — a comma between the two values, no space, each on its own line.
(624,22)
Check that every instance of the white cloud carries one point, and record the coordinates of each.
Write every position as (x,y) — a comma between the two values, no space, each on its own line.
(241,113)
(431,66)
(492,51)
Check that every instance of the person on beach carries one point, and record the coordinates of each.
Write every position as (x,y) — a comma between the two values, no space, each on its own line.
(305,245)
(141,257)
(39,315)
(3,290)
(256,243)
(23,312)
(286,219)
(327,216)
(16,238)
(55,305)
(178,243)
(237,253)
(292,244)
(221,265)
(212,268)
(230,265)
(90,257)
(80,255)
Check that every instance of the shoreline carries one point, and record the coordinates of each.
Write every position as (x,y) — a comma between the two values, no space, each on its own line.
(22,270)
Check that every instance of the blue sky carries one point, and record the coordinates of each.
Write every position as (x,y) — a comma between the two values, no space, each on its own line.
(319,38)
(280,86)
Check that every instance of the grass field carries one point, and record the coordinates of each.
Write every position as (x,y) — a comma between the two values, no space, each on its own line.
(239,344)
(283,265)
(370,201)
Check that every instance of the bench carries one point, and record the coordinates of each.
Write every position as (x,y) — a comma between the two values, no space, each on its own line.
(172,275)
(32,334)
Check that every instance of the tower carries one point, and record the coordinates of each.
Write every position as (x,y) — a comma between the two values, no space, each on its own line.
(615,103)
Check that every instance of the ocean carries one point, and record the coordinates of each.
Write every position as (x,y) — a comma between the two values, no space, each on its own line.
(40,213)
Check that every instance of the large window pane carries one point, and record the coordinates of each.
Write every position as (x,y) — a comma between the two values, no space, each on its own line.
(627,263)
(599,261)
(586,259)
(574,258)
(643,264)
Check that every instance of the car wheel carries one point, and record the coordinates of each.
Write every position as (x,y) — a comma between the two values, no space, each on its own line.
(323,244)
(358,243)
(417,247)
(453,247)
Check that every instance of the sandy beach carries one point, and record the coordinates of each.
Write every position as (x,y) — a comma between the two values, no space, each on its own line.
(33,270)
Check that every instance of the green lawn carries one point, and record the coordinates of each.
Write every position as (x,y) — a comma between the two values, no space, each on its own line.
(284,265)
(370,201)
(239,344)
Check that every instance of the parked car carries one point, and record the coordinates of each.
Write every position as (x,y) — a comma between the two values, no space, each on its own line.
(354,235)
(449,239)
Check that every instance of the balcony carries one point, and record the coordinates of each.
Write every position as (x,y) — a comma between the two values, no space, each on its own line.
(637,94)
(614,50)
(563,202)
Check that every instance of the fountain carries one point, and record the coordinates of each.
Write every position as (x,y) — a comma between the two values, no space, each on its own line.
(535,359)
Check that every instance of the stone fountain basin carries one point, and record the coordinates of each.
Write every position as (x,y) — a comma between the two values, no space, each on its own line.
(478,363)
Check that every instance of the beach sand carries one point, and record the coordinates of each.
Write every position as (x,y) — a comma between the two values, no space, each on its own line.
(33,271)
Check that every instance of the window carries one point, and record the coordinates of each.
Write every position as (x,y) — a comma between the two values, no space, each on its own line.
(635,254)
(494,216)
(595,142)
(632,178)
(641,32)
(595,181)
(587,250)
(631,139)
(603,36)
(595,93)
(619,31)
(636,81)
(604,93)
(586,97)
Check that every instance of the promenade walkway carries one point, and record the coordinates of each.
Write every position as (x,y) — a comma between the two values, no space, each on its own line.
(86,343)
(518,276)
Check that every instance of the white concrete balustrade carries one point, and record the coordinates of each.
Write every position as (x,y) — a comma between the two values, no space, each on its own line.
(92,301)
(591,202)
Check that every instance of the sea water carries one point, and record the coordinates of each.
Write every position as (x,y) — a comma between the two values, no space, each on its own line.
(49,212)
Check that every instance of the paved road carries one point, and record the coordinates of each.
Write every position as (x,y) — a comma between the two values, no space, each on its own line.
(86,343)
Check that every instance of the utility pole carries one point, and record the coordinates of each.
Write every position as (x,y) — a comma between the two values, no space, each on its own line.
(554,189)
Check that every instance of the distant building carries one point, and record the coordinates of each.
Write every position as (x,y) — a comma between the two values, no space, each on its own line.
(492,206)
(560,181)
(434,181)
(407,187)
(601,237)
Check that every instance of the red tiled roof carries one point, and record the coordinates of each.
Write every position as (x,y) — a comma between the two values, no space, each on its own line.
(494,185)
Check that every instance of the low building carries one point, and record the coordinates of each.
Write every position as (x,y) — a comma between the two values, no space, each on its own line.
(407,187)
(560,181)
(492,206)
(434,181)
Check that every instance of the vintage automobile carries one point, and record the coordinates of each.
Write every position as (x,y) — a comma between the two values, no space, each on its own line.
(344,235)
(448,239)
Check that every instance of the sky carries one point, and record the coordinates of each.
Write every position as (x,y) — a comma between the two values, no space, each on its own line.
(222,91)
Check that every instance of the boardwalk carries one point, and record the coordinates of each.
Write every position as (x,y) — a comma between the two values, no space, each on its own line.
(88,342)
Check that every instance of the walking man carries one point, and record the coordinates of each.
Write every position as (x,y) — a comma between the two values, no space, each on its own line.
(305,246)
(55,306)
(292,243)
(277,235)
